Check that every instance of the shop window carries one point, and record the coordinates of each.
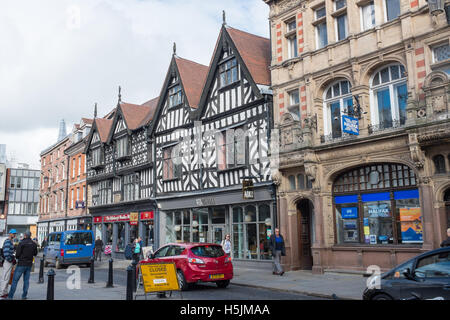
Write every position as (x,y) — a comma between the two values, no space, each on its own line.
(120,244)
(200,225)
(376,205)
(439,163)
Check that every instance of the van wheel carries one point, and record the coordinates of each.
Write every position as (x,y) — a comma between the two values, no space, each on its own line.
(223,283)
(182,281)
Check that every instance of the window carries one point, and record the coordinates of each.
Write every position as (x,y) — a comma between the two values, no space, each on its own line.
(389,94)
(321,28)
(435,266)
(175,96)
(73,168)
(79,165)
(292,182)
(171,166)
(294,103)
(231,148)
(72,202)
(131,187)
(208,251)
(122,148)
(378,204)
(392,9)
(97,157)
(228,72)
(341,27)
(78,238)
(439,163)
(441,52)
(339,4)
(291,36)
(367,16)
(338,100)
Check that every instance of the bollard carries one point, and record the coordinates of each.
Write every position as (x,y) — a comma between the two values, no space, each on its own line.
(133,265)
(41,271)
(109,284)
(130,271)
(91,273)
(51,285)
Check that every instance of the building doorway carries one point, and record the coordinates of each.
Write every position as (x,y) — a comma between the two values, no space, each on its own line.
(304,213)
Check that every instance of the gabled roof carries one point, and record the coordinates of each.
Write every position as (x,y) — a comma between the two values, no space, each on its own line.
(103,128)
(193,76)
(134,114)
(255,52)
(152,104)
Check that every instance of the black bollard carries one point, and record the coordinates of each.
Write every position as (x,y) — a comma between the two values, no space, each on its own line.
(133,265)
(130,271)
(91,273)
(109,284)
(51,285)
(41,271)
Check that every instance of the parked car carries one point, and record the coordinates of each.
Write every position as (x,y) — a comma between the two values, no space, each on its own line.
(426,276)
(196,262)
(69,247)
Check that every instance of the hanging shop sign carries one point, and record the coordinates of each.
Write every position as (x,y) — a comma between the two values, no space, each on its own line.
(147,215)
(411,225)
(350,125)
(134,218)
(247,189)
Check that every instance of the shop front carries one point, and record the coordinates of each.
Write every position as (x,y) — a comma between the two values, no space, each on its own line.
(208,218)
(118,230)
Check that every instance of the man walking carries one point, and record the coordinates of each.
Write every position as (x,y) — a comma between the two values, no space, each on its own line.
(446,243)
(98,248)
(278,250)
(26,251)
(10,261)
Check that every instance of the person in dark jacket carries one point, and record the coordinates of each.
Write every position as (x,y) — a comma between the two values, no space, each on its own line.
(278,249)
(446,243)
(26,251)
(98,248)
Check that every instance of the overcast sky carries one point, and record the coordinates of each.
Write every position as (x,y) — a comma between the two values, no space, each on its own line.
(58,57)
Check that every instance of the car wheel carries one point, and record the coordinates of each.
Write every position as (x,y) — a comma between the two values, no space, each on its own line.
(223,283)
(381,296)
(46,263)
(182,281)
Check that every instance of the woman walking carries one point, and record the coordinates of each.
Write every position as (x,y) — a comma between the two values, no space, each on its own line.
(278,250)
(226,245)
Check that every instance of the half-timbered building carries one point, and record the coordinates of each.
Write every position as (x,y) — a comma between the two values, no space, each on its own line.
(211,131)
(120,176)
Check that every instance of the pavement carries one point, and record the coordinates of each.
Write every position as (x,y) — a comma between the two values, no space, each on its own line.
(327,285)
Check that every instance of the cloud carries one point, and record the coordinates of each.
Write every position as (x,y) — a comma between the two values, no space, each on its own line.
(63,56)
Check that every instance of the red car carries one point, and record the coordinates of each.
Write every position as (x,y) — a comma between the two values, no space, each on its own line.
(196,262)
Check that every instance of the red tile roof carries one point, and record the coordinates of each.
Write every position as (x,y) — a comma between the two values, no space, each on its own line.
(134,114)
(103,128)
(193,76)
(255,51)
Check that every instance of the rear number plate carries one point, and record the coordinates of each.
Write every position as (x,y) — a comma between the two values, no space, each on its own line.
(72,251)
(216,276)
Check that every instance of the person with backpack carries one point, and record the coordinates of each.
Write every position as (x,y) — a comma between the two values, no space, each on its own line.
(8,263)
(26,251)
(136,250)
(129,249)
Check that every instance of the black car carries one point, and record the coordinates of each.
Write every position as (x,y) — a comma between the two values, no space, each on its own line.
(426,276)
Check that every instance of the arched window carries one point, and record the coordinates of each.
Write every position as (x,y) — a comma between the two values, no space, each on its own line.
(388,94)
(292,182)
(439,164)
(337,100)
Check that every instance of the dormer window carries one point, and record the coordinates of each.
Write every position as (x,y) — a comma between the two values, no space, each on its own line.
(122,148)
(228,72)
(175,96)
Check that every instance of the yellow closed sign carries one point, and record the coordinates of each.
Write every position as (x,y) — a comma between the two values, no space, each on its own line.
(158,277)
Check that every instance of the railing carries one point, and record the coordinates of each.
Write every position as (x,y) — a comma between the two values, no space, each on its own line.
(333,138)
(395,124)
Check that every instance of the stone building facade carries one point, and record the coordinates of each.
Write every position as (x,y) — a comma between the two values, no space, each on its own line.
(379,69)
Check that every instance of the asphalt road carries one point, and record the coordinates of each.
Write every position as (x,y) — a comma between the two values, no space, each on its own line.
(98,291)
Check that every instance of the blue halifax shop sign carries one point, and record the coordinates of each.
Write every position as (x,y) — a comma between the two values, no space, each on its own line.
(350,125)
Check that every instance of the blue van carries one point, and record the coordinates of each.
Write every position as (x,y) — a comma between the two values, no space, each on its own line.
(69,247)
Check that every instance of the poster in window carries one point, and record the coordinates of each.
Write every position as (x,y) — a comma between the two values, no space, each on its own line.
(411,225)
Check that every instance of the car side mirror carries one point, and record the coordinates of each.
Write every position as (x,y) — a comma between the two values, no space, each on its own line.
(408,275)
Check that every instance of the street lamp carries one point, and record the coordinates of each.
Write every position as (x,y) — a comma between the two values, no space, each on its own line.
(436,6)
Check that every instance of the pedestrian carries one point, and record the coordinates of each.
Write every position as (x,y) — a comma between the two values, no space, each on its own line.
(10,261)
(278,249)
(226,245)
(136,250)
(98,249)
(141,244)
(26,251)
(446,243)
(44,244)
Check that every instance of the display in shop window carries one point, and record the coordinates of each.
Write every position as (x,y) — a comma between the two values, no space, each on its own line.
(411,225)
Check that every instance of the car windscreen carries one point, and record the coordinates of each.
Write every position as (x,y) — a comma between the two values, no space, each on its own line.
(78,238)
(208,251)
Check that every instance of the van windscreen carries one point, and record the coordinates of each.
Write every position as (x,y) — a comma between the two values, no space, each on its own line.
(80,238)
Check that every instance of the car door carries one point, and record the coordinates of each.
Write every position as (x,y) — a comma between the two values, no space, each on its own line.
(433,275)
(160,254)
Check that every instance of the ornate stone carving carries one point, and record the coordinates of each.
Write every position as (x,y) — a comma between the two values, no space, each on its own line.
(416,152)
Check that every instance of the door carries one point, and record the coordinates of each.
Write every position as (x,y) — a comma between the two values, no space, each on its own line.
(78,245)
(218,234)
(304,210)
